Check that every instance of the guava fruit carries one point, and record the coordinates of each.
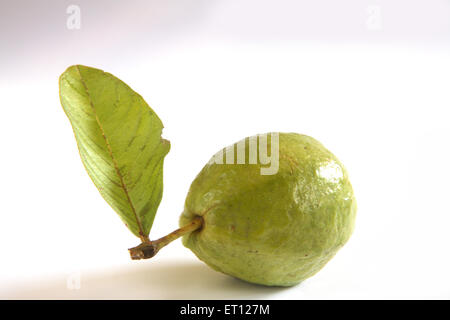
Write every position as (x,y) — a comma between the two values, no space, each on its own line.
(273,229)
(269,220)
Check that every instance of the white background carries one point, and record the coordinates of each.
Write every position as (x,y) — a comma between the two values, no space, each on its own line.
(369,79)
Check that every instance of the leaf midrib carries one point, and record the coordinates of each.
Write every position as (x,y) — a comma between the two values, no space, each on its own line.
(116,167)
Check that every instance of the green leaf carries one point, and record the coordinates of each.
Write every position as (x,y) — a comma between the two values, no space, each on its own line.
(120,144)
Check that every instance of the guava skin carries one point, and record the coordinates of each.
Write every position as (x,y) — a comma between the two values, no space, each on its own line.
(274,230)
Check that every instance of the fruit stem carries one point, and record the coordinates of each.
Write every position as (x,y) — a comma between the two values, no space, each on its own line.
(148,249)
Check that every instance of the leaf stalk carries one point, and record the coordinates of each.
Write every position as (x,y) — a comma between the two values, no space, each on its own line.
(148,249)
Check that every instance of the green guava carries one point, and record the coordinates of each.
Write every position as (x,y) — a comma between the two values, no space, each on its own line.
(272,229)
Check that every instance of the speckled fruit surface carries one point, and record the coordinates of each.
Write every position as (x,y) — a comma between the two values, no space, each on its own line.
(274,230)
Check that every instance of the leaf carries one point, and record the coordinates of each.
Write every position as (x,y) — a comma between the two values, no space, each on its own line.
(119,140)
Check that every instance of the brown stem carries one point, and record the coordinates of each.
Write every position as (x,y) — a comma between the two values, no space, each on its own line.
(148,249)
